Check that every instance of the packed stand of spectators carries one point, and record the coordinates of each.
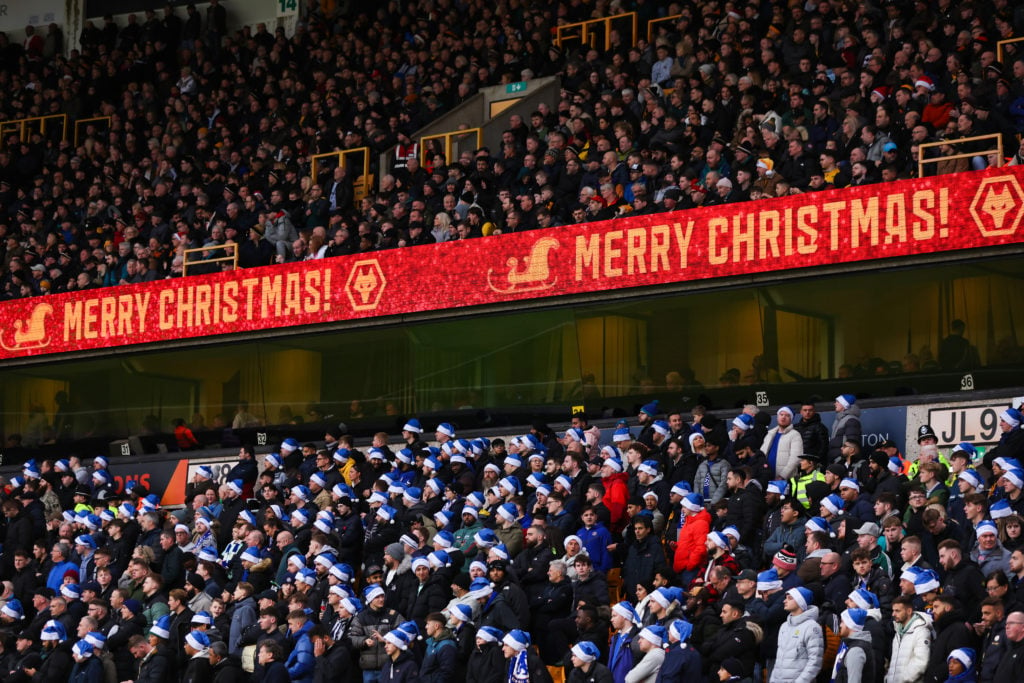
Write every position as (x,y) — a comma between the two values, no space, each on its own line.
(746,549)
(212,131)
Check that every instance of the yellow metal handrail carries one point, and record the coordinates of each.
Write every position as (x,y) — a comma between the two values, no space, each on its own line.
(449,138)
(21,125)
(921,160)
(232,255)
(361,184)
(1000,53)
(586,26)
(79,123)
(652,22)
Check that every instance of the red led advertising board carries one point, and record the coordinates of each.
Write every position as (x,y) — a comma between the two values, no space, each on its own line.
(927,216)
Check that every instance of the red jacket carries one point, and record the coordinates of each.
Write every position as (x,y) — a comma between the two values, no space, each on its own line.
(690,551)
(616,493)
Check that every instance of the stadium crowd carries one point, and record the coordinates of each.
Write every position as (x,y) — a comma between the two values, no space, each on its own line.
(211,130)
(747,549)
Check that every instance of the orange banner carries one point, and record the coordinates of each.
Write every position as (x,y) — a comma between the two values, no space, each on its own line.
(945,213)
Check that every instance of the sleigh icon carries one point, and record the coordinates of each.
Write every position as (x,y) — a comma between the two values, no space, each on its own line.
(532,276)
(30,334)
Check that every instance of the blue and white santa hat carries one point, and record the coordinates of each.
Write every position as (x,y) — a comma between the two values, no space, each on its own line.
(13,609)
(300,517)
(236,485)
(649,467)
(421,562)
(405,456)
(462,612)
(82,649)
(846,400)
(198,640)
(202,617)
(719,539)
(833,503)
(864,599)
(661,427)
(446,429)
(162,627)
(694,502)
(614,464)
(849,483)
(654,634)
(768,580)
(342,572)
(625,610)
(372,592)
(289,445)
(926,581)
(508,512)
(386,513)
(575,434)
(207,554)
(586,651)
(100,461)
(564,481)
(680,630)
(1007,463)
(895,465)
(490,634)
(341,455)
(743,422)
(54,630)
(986,526)
(96,639)
(1012,417)
(681,489)
(273,461)
(854,618)
(413,425)
(306,576)
(1014,477)
(971,476)
(1001,508)
(965,447)
(622,435)
(352,605)
(71,591)
(964,655)
(517,639)
(439,559)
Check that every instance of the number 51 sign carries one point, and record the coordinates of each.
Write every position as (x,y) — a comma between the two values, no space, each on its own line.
(286,8)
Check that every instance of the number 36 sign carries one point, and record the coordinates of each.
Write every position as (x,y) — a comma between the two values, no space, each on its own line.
(286,8)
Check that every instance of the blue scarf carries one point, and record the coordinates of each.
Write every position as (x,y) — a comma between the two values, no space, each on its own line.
(519,668)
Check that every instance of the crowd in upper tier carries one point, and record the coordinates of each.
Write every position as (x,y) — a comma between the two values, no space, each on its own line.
(211,130)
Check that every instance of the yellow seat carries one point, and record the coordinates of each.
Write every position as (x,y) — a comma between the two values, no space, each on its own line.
(557,674)
(614,579)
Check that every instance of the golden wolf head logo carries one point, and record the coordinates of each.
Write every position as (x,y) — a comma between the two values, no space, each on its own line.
(998,205)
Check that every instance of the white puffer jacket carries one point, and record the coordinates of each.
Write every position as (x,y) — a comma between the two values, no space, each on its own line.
(911,647)
(801,647)
(791,447)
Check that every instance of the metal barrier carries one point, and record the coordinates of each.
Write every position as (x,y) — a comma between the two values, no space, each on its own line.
(586,35)
(361,184)
(79,123)
(230,249)
(921,160)
(449,138)
(659,20)
(22,126)
(1001,53)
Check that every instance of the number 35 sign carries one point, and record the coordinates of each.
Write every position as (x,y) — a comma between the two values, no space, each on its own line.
(286,8)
